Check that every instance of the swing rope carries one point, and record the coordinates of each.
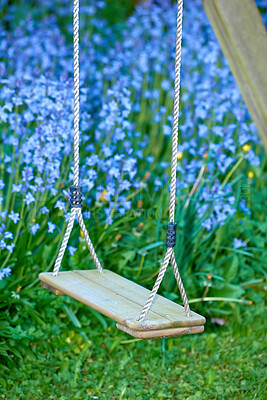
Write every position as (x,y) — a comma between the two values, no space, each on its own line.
(76,192)
(171,226)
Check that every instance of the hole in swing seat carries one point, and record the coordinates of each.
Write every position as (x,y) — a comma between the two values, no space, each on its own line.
(122,300)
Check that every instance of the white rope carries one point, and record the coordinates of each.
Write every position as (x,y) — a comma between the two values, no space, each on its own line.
(76,146)
(88,241)
(170,256)
(76,68)
(64,242)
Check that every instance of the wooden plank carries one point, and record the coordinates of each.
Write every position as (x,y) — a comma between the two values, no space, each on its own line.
(243,39)
(111,303)
(51,289)
(138,294)
(96,297)
(163,333)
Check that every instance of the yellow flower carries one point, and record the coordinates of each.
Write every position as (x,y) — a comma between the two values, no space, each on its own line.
(81,233)
(246,148)
(250,175)
(102,197)
(179,155)
(33,220)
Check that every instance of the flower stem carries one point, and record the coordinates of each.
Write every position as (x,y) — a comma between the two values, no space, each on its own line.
(228,176)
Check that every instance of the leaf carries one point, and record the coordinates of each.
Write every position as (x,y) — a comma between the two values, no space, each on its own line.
(228,290)
(100,318)
(232,269)
(129,255)
(71,315)
(74,320)
(153,245)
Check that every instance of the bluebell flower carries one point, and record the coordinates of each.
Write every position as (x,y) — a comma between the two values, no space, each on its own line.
(10,247)
(150,159)
(16,188)
(34,228)
(166,130)
(239,243)
(2,185)
(3,214)
(44,210)
(87,214)
(28,199)
(60,204)
(8,235)
(14,216)
(207,224)
(253,159)
(224,162)
(72,250)
(2,244)
(5,272)
(3,114)
(203,130)
(51,227)
(165,84)
(109,220)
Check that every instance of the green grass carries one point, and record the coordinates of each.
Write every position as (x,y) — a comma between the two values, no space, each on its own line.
(224,362)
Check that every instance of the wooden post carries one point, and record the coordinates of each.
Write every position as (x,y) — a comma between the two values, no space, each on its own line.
(243,39)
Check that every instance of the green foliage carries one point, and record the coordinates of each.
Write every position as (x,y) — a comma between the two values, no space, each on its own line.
(222,363)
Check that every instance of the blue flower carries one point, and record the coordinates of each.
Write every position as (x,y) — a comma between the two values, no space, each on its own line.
(167,130)
(60,204)
(2,244)
(71,250)
(87,214)
(14,216)
(165,84)
(207,224)
(34,228)
(2,185)
(253,159)
(239,243)
(8,235)
(10,247)
(109,220)
(5,272)
(28,199)
(224,162)
(51,227)
(44,210)
(16,188)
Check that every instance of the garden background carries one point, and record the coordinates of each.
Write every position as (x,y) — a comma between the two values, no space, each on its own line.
(55,348)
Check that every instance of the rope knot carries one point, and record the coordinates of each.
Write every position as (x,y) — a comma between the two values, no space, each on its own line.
(75,197)
(171,234)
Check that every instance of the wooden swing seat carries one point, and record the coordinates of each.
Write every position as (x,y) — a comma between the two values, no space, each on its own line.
(122,300)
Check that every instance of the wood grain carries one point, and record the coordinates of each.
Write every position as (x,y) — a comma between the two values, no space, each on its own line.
(243,39)
(160,334)
(120,299)
(51,289)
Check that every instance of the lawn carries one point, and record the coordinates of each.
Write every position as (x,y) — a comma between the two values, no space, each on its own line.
(52,347)
(225,362)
